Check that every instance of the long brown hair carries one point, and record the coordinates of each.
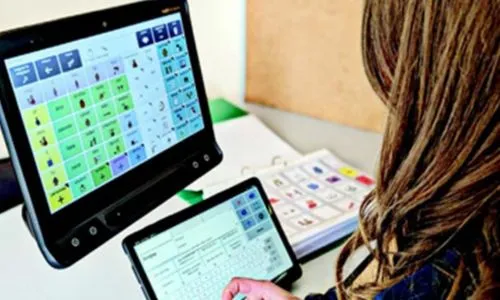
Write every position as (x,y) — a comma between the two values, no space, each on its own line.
(435,64)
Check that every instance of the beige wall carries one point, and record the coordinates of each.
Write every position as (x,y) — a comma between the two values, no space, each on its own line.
(305,57)
(218,24)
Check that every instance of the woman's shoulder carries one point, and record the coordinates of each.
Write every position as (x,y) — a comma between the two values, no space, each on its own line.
(433,281)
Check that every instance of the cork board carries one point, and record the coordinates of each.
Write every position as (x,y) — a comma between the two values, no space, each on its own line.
(305,56)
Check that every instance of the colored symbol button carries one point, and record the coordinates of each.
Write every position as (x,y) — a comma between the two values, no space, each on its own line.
(175,28)
(333,179)
(248,223)
(160,33)
(47,67)
(349,172)
(119,165)
(144,38)
(137,155)
(238,202)
(243,213)
(23,74)
(274,201)
(365,180)
(70,60)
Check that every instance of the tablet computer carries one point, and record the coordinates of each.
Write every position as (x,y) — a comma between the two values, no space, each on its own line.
(195,253)
(105,116)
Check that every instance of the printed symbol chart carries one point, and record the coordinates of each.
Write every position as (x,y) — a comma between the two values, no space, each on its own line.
(316,193)
(90,119)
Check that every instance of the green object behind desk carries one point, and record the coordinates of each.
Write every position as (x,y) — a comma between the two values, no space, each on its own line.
(220,110)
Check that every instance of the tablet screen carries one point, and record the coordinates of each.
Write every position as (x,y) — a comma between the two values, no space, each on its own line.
(196,259)
(95,108)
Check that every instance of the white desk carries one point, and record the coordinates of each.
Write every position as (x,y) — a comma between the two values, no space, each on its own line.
(106,274)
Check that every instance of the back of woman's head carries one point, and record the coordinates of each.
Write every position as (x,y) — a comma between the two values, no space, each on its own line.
(435,64)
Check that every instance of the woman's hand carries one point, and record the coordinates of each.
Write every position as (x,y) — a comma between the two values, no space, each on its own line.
(256,290)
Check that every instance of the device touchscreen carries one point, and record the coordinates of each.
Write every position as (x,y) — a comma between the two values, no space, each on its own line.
(97,107)
(197,258)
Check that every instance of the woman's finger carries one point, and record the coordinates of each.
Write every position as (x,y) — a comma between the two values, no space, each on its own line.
(248,287)
(255,289)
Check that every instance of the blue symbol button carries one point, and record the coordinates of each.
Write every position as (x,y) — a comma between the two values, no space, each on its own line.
(196,125)
(261,216)
(137,155)
(23,74)
(248,223)
(175,28)
(252,195)
(128,121)
(256,206)
(160,33)
(133,138)
(70,60)
(317,170)
(243,213)
(144,38)
(313,186)
(47,67)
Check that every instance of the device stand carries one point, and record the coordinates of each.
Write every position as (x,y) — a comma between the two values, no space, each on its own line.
(10,193)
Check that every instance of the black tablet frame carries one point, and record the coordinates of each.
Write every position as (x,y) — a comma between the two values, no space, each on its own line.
(284,280)
(48,228)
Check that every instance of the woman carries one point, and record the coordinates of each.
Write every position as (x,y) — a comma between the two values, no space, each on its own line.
(434,212)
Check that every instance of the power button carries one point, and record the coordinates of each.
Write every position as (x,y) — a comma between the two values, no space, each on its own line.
(75,242)
(93,230)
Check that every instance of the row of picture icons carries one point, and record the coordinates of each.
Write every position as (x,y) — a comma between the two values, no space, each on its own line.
(73,82)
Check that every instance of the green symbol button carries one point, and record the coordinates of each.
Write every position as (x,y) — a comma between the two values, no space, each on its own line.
(59,108)
(86,119)
(76,166)
(106,111)
(119,85)
(96,157)
(115,147)
(82,185)
(111,130)
(101,175)
(124,103)
(81,100)
(91,138)
(65,128)
(101,92)
(71,147)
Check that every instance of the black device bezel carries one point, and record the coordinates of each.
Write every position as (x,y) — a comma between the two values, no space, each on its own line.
(50,228)
(283,280)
